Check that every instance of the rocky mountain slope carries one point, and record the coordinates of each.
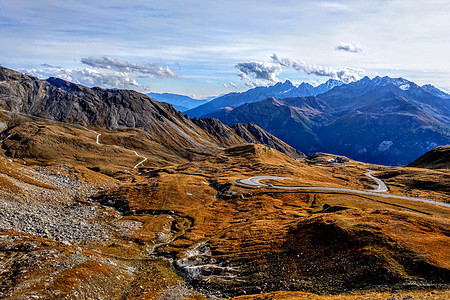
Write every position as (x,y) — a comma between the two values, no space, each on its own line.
(438,158)
(251,133)
(381,120)
(279,90)
(62,101)
(290,119)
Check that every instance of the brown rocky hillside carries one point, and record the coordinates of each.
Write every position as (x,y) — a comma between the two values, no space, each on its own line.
(187,231)
(63,101)
(438,158)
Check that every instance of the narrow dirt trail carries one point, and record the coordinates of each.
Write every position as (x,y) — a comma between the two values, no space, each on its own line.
(98,143)
(79,126)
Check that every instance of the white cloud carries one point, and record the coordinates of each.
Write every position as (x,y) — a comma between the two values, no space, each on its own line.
(89,77)
(106,62)
(230,84)
(343,74)
(255,73)
(251,84)
(349,47)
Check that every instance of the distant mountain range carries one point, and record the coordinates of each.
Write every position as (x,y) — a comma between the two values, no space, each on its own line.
(179,102)
(279,90)
(382,120)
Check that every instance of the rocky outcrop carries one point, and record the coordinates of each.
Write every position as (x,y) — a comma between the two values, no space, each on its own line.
(252,133)
(221,132)
(248,133)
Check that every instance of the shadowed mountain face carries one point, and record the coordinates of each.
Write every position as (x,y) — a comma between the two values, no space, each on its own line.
(279,90)
(250,133)
(438,158)
(383,120)
(292,119)
(62,101)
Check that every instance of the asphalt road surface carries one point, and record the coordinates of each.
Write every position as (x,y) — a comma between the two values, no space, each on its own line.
(379,190)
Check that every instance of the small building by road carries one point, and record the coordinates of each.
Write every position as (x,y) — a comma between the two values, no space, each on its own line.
(340,160)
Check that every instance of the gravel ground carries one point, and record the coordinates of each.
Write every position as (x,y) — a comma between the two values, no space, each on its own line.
(54,214)
(68,224)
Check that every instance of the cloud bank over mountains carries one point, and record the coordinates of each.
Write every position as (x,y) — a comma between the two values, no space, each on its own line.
(230,85)
(107,62)
(109,72)
(343,74)
(87,76)
(120,74)
(256,73)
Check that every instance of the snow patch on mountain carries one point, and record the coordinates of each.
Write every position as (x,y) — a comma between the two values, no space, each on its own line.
(385,145)
(405,86)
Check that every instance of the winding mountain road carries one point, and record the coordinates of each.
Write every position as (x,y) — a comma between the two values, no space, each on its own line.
(97,141)
(379,189)
(79,126)
(141,162)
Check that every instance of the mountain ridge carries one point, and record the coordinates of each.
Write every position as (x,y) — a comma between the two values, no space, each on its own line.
(372,120)
(63,101)
(281,90)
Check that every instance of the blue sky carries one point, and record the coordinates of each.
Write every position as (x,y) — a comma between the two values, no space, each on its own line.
(203,48)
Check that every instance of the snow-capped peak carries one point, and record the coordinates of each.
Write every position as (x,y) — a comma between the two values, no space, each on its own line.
(331,83)
(398,82)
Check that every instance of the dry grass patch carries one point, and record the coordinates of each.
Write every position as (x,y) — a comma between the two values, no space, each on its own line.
(361,295)
(14,173)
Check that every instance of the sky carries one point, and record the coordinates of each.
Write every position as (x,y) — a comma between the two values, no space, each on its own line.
(206,48)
